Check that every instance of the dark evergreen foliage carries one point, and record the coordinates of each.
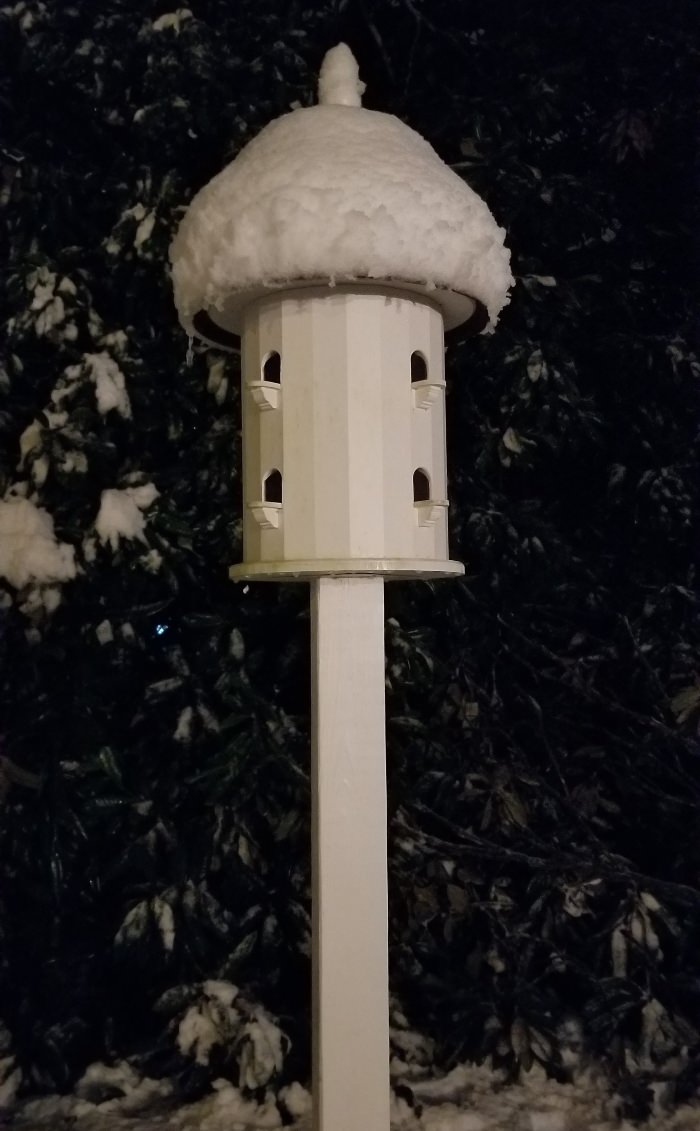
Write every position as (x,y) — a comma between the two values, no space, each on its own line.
(544,760)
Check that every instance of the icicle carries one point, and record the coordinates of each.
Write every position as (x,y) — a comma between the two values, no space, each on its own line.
(189,357)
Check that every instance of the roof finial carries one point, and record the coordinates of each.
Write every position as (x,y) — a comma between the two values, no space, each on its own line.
(339,80)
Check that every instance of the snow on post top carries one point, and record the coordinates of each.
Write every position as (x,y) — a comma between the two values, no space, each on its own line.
(339,193)
(339,81)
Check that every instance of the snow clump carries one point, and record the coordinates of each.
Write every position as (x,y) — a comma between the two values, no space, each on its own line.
(110,387)
(339,79)
(29,550)
(337,192)
(120,514)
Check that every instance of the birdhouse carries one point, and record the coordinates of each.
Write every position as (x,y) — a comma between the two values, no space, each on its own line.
(337,248)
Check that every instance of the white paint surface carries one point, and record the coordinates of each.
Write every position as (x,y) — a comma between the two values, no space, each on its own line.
(346,432)
(350,957)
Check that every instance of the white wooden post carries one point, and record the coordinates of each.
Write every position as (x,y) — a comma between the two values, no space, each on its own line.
(349,857)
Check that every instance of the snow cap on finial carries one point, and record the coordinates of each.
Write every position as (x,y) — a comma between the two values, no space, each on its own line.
(339,79)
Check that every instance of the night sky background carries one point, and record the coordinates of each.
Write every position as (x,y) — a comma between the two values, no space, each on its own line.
(543,750)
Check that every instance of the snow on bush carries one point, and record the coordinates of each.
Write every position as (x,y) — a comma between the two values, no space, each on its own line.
(214,1020)
(29,550)
(120,514)
(110,386)
(261,1049)
(10,1072)
(172,20)
(137,922)
(221,1019)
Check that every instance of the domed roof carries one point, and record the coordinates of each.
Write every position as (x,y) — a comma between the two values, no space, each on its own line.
(337,193)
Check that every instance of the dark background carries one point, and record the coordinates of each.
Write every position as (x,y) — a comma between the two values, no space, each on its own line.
(543,752)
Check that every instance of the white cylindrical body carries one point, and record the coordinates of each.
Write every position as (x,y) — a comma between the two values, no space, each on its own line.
(344,435)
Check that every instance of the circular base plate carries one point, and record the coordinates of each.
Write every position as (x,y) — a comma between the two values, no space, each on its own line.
(391,569)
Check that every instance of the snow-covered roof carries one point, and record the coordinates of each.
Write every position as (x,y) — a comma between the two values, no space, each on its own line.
(336,192)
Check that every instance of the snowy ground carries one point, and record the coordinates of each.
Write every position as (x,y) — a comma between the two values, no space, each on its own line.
(470,1098)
